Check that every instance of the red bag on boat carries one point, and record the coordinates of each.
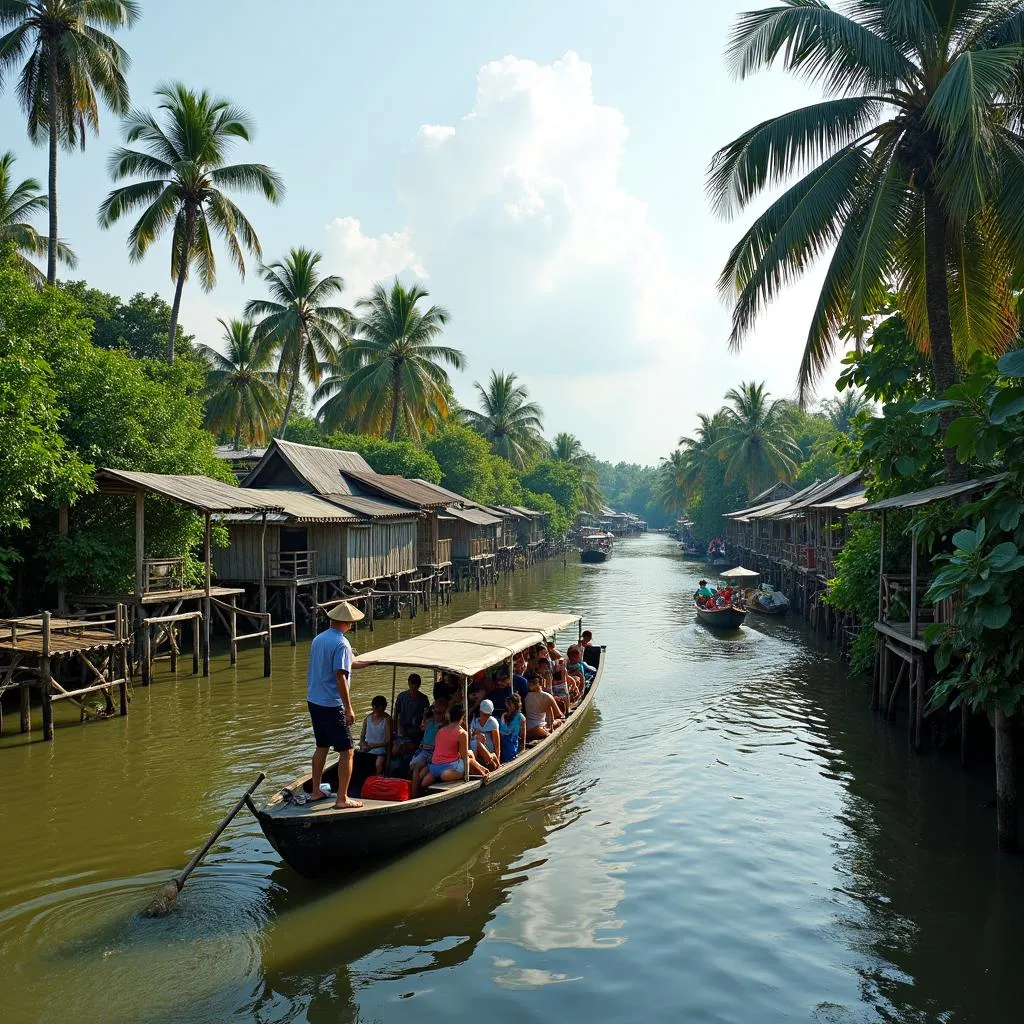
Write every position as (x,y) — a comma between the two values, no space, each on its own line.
(380,787)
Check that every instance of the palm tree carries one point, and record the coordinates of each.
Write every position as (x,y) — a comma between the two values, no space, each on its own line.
(243,397)
(184,176)
(68,60)
(755,438)
(18,204)
(393,372)
(509,420)
(912,170)
(671,491)
(842,411)
(299,321)
(569,449)
(699,452)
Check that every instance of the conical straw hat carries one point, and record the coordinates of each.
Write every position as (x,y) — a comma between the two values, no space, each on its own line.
(344,612)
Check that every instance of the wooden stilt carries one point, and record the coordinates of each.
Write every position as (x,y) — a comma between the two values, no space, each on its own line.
(291,597)
(195,645)
(26,710)
(44,680)
(207,608)
(267,646)
(147,655)
(233,620)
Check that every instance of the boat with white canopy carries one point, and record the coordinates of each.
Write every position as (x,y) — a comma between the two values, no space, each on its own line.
(316,838)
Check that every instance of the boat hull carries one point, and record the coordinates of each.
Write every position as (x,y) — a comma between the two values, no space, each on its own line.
(777,611)
(592,556)
(321,840)
(722,618)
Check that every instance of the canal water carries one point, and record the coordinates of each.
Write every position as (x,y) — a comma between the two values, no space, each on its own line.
(732,838)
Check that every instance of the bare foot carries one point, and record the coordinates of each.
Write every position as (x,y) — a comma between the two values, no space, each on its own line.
(317,794)
(348,802)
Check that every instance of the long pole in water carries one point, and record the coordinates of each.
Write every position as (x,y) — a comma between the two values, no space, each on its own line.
(167,894)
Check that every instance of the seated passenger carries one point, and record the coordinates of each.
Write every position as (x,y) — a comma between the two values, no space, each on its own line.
(485,736)
(501,690)
(451,753)
(411,706)
(578,666)
(376,735)
(542,713)
(554,654)
(432,722)
(512,726)
(703,592)
(561,690)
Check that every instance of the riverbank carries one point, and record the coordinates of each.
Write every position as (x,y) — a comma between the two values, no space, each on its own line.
(734,838)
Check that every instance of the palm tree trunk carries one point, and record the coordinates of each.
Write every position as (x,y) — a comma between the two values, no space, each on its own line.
(1006,783)
(940,332)
(296,370)
(396,399)
(51,98)
(190,227)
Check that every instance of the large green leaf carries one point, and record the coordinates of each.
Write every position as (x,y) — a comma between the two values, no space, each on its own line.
(966,540)
(1002,555)
(1012,364)
(995,616)
(1008,402)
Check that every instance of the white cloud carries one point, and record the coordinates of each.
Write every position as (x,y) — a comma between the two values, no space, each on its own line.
(517,217)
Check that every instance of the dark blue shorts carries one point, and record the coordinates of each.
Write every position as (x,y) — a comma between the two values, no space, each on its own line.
(329,727)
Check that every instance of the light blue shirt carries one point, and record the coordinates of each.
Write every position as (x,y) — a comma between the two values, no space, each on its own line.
(329,653)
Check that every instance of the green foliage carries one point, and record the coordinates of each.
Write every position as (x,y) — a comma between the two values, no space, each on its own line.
(510,422)
(466,462)
(560,480)
(855,586)
(713,500)
(399,458)
(305,430)
(558,522)
(37,464)
(980,659)
(628,487)
(128,414)
(508,490)
(138,326)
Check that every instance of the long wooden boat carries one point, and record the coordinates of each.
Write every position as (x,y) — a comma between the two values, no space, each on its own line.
(721,618)
(317,838)
(594,555)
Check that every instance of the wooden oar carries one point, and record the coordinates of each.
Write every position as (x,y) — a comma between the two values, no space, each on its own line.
(167,895)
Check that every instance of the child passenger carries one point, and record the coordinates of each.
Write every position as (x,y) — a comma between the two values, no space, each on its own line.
(376,735)
(512,727)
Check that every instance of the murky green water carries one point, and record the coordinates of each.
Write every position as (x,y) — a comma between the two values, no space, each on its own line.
(732,838)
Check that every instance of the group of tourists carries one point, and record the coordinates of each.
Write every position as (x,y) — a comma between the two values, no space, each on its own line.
(427,740)
(712,597)
(716,548)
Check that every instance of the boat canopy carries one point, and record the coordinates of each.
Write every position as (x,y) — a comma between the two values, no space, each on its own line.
(739,573)
(473,644)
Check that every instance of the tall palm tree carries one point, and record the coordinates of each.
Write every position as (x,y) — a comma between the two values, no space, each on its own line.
(69,58)
(755,438)
(842,411)
(243,397)
(299,320)
(671,491)
(912,168)
(699,452)
(394,374)
(508,419)
(18,204)
(569,449)
(184,174)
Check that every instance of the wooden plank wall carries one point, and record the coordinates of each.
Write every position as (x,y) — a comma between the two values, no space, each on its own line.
(241,559)
(382,549)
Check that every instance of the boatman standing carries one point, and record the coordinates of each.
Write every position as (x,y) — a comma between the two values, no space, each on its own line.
(328,677)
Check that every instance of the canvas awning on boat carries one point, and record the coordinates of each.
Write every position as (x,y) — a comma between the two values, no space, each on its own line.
(473,644)
(739,573)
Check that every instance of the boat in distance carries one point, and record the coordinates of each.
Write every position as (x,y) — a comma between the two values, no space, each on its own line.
(317,838)
(728,617)
(596,547)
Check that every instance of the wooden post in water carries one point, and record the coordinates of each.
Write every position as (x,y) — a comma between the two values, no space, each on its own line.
(266,645)
(140,570)
(26,710)
(195,646)
(207,608)
(44,680)
(147,654)
(292,592)
(878,683)
(234,630)
(122,647)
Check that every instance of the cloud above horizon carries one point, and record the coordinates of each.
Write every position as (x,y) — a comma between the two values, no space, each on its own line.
(517,220)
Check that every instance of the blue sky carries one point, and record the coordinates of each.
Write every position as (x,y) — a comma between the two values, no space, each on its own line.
(554,202)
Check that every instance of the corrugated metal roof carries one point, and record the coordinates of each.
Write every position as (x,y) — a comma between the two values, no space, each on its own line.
(198,492)
(917,498)
(476,516)
(846,503)
(303,508)
(371,508)
(453,496)
(229,453)
(507,511)
(830,488)
(412,492)
(320,468)
(530,513)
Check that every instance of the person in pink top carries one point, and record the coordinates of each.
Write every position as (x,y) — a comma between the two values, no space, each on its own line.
(451,754)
